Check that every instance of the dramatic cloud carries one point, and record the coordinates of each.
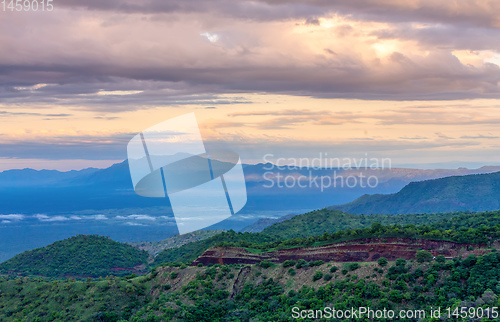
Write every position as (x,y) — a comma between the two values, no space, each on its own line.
(123,55)
(90,74)
(475,12)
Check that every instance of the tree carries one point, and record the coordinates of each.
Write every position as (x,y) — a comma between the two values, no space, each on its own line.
(440,259)
(382,261)
(317,276)
(423,256)
(489,297)
(301,263)
(265,264)
(353,266)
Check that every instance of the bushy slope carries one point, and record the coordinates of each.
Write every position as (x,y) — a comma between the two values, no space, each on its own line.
(263,293)
(328,226)
(82,255)
(37,299)
(260,292)
(328,221)
(478,192)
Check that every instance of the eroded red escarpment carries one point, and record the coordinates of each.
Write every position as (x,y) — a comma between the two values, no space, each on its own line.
(353,251)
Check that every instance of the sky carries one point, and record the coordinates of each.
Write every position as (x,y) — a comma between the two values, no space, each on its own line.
(416,81)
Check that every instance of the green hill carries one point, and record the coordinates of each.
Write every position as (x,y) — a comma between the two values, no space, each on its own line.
(328,221)
(82,255)
(478,192)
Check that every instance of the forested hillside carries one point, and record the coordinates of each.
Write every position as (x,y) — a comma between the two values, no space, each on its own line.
(263,292)
(457,193)
(82,255)
(322,224)
(327,221)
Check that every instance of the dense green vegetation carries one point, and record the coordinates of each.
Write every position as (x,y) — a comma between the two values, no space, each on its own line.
(479,228)
(268,295)
(263,292)
(456,231)
(37,299)
(82,255)
(431,196)
(328,221)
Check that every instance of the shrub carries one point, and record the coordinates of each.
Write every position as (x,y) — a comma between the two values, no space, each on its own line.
(423,256)
(344,271)
(418,272)
(489,297)
(200,264)
(317,276)
(316,263)
(292,272)
(301,263)
(382,261)
(440,259)
(353,266)
(265,264)
(333,269)
(395,296)
(289,263)
(174,275)
(327,277)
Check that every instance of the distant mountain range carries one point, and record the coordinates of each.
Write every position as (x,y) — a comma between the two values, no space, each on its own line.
(478,192)
(29,191)
(39,207)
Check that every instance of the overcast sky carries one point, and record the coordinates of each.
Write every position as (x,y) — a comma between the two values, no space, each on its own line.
(417,81)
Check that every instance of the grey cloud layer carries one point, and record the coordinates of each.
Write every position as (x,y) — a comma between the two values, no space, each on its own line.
(157,49)
(476,12)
